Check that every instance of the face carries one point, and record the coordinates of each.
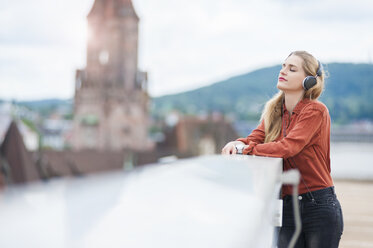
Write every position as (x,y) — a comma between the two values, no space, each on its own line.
(291,75)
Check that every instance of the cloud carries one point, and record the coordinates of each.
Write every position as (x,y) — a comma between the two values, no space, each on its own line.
(183,44)
(42,43)
(197,43)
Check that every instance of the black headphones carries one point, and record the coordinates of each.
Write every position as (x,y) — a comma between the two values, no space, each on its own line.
(311,81)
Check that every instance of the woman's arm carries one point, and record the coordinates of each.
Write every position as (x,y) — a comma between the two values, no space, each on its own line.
(308,124)
(257,135)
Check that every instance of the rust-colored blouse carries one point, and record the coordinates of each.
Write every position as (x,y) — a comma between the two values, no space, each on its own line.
(304,143)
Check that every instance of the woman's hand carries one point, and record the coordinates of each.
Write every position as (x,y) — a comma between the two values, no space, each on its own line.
(230,148)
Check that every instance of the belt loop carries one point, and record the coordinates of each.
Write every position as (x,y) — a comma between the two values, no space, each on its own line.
(333,190)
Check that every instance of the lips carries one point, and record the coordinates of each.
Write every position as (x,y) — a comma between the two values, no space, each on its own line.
(282,79)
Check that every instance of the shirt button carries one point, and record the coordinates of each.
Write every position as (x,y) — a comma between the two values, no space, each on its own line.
(300,197)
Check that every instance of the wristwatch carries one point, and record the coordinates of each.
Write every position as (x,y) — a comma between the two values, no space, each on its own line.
(239,148)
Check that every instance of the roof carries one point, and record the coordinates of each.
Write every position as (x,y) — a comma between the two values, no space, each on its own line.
(17,163)
(77,163)
(112,8)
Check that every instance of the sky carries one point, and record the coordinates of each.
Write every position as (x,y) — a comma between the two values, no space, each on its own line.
(183,44)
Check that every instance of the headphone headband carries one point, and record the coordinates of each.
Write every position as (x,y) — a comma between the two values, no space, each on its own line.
(319,69)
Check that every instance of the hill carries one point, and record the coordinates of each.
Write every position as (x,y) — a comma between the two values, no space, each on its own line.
(47,106)
(347,94)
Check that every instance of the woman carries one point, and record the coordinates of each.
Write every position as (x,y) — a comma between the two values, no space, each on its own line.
(296,127)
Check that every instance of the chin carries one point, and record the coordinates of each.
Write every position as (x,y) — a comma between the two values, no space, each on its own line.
(280,86)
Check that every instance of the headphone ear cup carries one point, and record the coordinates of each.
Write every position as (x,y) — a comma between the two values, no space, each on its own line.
(309,82)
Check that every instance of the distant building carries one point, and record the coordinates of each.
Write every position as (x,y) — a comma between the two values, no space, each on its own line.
(193,136)
(18,165)
(56,133)
(111,98)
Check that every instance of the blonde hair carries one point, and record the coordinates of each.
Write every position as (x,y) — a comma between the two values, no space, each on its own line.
(272,112)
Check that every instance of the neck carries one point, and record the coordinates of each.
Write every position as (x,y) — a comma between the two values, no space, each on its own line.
(292,99)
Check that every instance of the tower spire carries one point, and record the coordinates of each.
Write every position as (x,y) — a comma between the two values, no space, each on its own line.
(112,8)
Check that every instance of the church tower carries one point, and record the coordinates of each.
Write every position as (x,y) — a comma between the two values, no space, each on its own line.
(111,100)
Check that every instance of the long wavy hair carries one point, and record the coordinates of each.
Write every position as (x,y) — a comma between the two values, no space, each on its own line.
(272,111)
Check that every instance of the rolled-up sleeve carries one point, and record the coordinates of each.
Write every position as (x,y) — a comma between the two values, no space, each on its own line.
(307,126)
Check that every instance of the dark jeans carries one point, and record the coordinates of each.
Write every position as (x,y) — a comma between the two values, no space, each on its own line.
(322,221)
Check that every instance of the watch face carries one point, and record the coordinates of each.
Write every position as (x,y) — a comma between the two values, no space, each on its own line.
(239,148)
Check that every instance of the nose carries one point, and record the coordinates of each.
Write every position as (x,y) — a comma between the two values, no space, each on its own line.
(283,71)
